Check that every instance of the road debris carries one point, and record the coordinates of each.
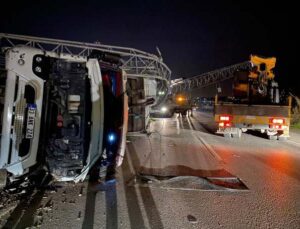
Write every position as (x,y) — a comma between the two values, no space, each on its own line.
(192,219)
(81,191)
(79,215)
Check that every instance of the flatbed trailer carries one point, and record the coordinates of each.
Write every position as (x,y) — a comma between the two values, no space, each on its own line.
(233,119)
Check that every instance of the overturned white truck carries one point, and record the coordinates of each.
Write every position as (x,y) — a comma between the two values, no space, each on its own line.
(64,105)
(62,110)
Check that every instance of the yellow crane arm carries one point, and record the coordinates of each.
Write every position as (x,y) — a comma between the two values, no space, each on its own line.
(262,66)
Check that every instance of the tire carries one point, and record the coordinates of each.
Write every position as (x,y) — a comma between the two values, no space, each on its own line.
(271,132)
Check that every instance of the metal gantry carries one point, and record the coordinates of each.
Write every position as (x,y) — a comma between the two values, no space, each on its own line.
(136,63)
(209,78)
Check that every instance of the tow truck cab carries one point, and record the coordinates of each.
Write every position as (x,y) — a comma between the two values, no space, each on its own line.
(53,113)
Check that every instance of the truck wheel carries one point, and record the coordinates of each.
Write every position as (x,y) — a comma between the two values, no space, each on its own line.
(271,132)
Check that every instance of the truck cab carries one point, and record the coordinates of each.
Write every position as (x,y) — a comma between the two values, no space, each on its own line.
(53,113)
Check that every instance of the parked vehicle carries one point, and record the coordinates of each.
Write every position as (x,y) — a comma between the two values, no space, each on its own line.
(177,103)
(256,103)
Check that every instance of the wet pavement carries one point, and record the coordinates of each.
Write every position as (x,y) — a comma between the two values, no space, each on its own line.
(181,175)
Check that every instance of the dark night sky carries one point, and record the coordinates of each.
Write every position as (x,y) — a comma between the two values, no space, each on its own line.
(193,36)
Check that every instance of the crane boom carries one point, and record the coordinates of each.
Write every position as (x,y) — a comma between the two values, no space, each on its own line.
(209,78)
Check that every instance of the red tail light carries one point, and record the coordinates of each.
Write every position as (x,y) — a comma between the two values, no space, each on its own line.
(278,121)
(225,118)
(225,121)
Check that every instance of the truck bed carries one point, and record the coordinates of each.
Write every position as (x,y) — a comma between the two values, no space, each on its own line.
(252,110)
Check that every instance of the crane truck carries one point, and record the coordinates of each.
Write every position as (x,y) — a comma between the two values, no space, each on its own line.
(256,103)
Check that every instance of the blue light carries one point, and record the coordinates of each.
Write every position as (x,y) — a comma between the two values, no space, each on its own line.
(111,138)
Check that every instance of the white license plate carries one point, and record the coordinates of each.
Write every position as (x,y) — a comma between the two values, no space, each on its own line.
(30,121)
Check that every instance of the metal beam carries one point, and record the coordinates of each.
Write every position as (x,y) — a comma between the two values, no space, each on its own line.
(209,78)
(137,63)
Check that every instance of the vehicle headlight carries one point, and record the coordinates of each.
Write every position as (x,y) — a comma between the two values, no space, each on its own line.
(164,109)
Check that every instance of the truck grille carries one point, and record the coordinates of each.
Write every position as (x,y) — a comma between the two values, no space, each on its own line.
(19,120)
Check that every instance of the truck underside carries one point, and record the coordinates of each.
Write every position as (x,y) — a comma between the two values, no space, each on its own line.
(57,110)
(66,123)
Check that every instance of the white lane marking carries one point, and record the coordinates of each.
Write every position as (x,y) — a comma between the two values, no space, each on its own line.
(210,149)
(138,191)
(190,124)
(177,126)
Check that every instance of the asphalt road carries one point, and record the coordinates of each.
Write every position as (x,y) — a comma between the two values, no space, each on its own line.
(180,175)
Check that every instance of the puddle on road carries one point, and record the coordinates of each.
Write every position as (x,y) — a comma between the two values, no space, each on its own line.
(189,183)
